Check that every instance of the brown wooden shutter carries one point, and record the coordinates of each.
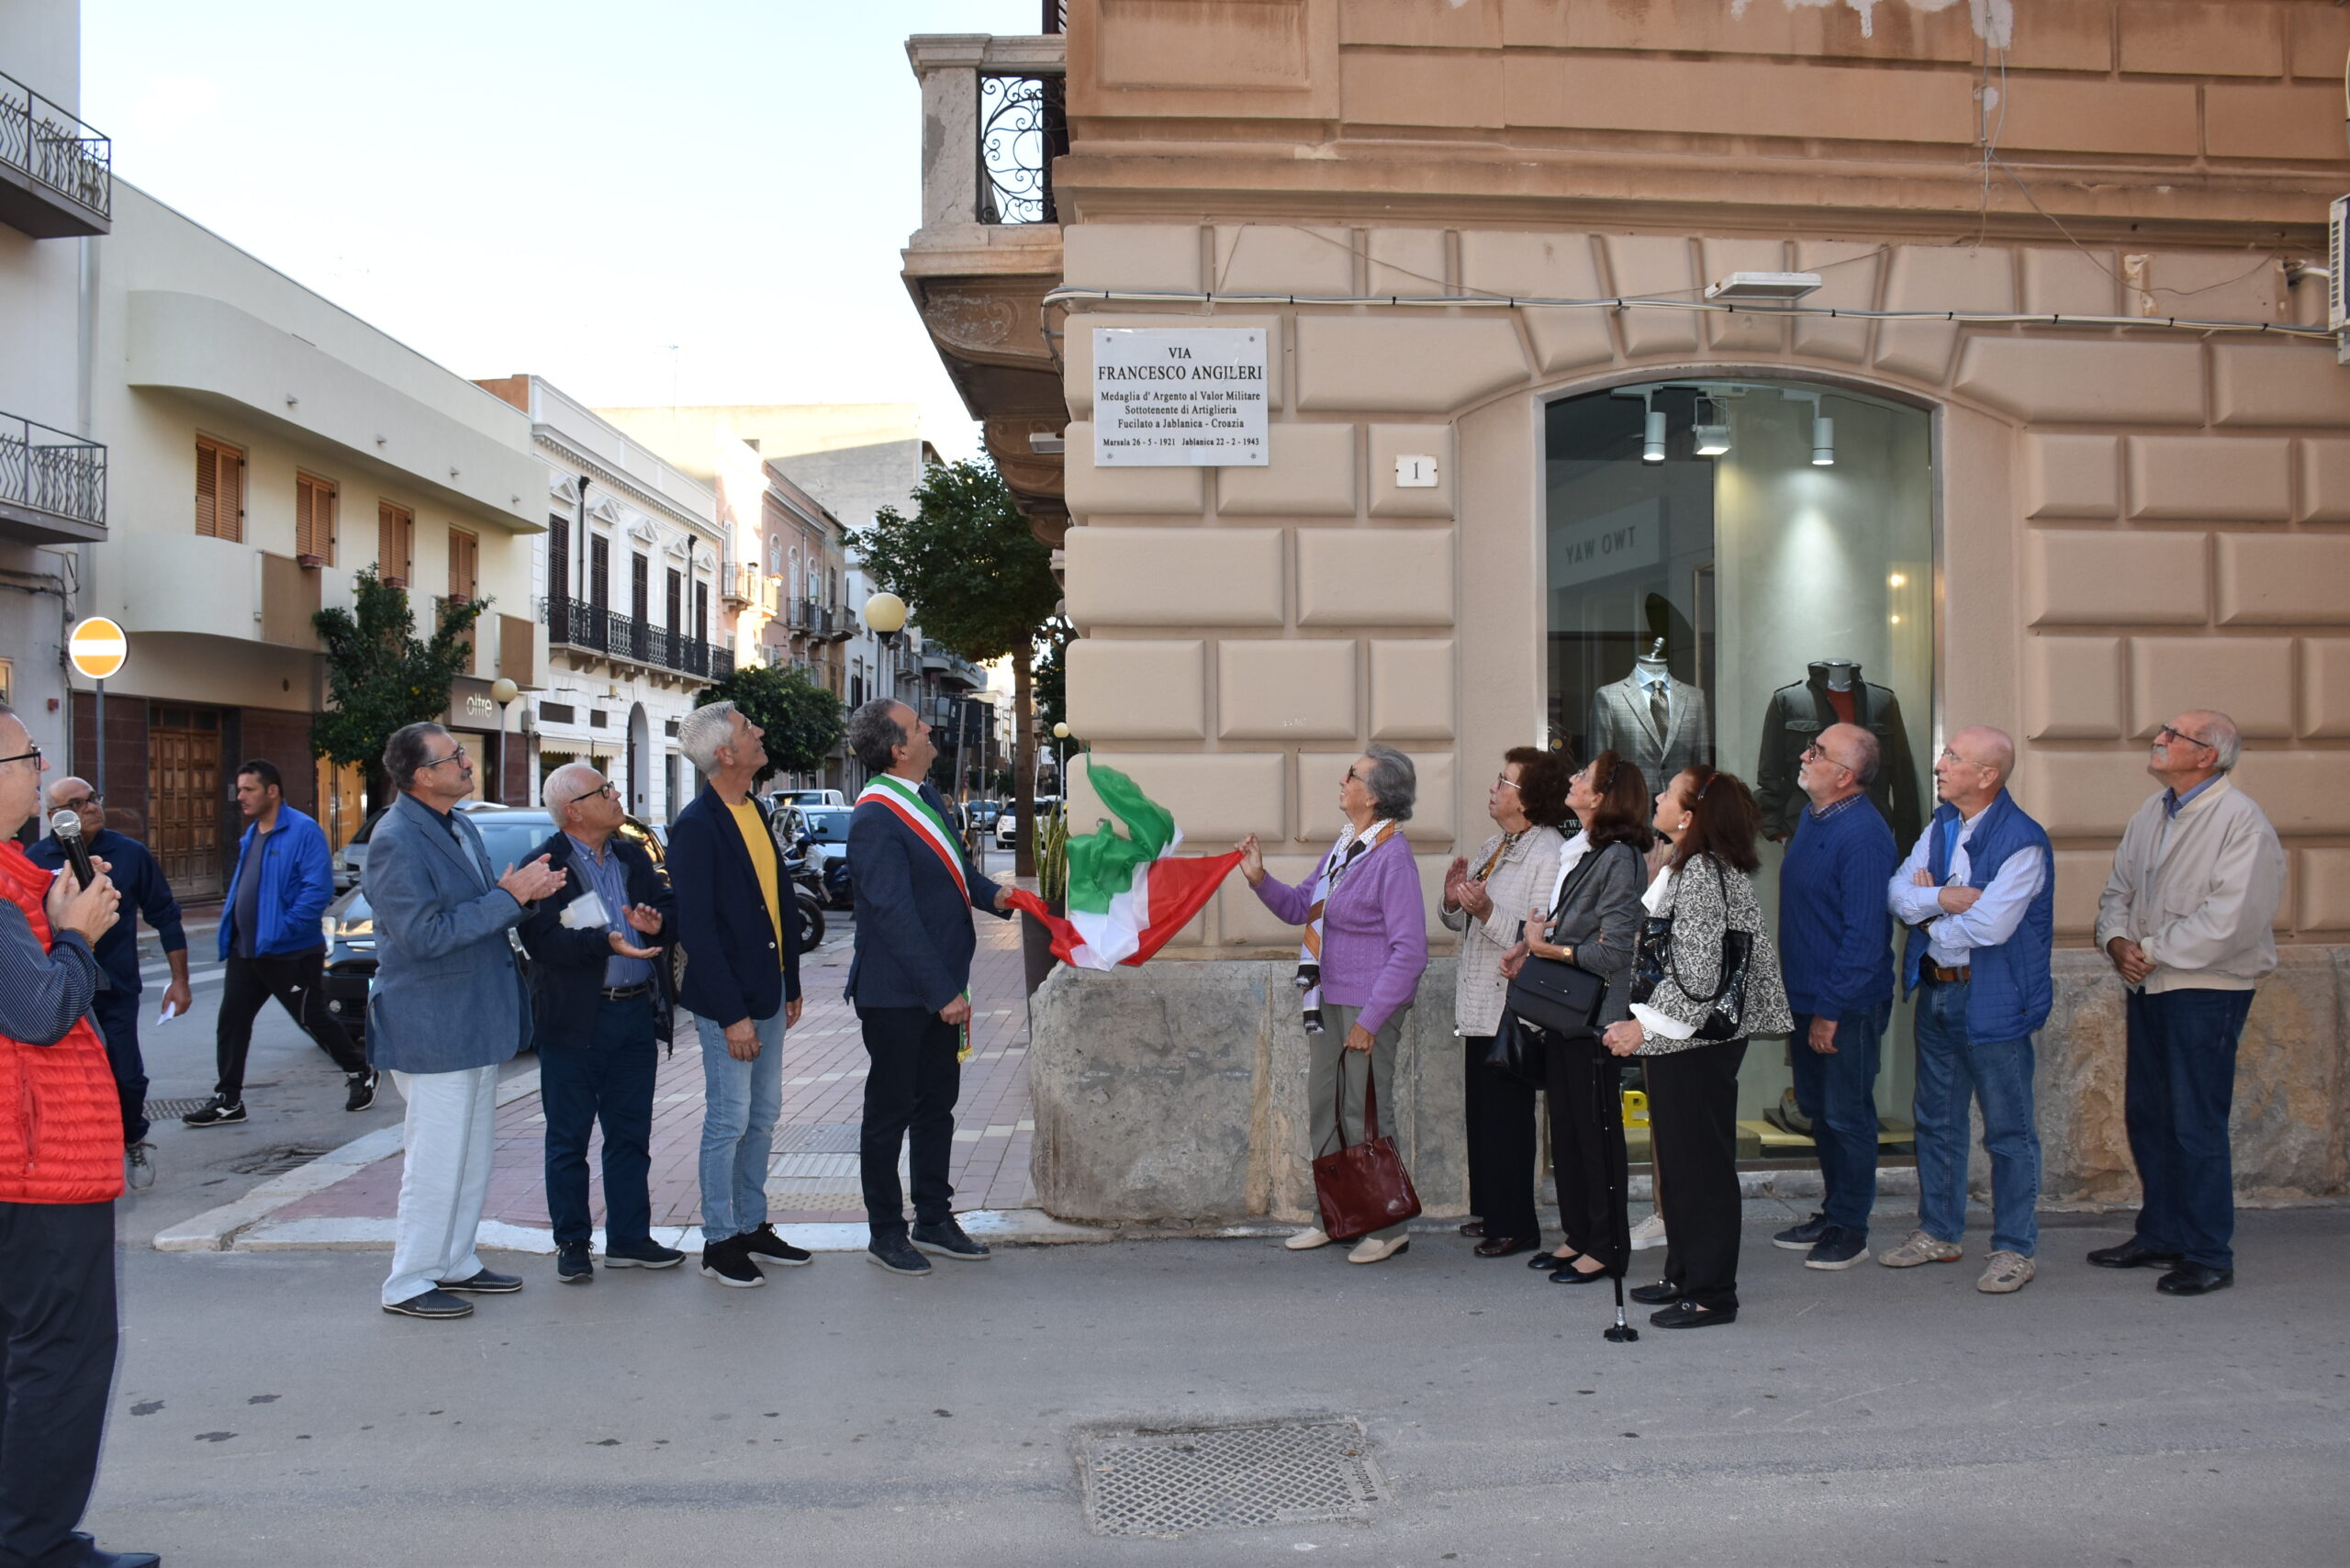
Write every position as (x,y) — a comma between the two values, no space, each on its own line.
(465,566)
(395,543)
(314,502)
(219,491)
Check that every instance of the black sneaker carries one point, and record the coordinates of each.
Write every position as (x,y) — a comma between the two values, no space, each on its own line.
(488,1282)
(362,1090)
(728,1264)
(642,1255)
(945,1240)
(1805,1237)
(764,1246)
(1838,1247)
(430,1304)
(570,1265)
(895,1253)
(218,1112)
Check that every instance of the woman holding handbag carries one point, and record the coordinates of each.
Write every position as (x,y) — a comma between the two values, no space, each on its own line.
(1359,967)
(1706,978)
(1592,921)
(1486,899)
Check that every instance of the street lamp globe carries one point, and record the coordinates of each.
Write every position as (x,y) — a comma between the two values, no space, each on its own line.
(504,689)
(1060,732)
(885,613)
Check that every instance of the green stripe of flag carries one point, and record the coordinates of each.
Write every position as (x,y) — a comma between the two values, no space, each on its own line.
(1103,865)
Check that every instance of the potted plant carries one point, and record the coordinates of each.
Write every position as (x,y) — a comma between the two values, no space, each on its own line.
(1052,886)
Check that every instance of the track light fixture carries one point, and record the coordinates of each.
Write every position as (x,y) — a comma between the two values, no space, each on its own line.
(1823,439)
(1712,428)
(1652,445)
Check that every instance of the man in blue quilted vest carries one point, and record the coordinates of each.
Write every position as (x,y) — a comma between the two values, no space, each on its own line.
(1978,897)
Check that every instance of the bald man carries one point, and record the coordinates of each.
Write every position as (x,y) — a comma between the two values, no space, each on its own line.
(143,888)
(1978,896)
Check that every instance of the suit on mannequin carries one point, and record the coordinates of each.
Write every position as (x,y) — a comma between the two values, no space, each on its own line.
(1625,720)
(1793,720)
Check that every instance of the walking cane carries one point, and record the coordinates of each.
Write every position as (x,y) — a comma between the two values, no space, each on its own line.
(1619,1226)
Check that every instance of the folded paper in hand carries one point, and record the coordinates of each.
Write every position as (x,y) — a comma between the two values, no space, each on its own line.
(586,912)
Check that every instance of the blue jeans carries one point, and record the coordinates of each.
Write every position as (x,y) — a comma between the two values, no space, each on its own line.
(607,1077)
(1839,1094)
(1953,1069)
(739,1102)
(2182,1078)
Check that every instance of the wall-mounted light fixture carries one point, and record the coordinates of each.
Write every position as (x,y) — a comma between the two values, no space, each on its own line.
(1712,428)
(1823,439)
(1652,441)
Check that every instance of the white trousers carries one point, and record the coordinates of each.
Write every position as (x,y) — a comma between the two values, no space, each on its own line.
(450,1117)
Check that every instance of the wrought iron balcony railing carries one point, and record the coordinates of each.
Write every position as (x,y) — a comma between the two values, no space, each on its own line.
(582,624)
(47,471)
(1023,125)
(59,153)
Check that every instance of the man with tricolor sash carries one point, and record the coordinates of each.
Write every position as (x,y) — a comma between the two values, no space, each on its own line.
(910,981)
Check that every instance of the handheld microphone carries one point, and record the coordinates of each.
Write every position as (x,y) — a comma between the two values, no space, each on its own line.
(66,823)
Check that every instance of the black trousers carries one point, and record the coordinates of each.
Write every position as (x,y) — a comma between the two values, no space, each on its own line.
(910,1092)
(1499,1109)
(1587,1160)
(1693,1108)
(298,982)
(117,1015)
(56,1347)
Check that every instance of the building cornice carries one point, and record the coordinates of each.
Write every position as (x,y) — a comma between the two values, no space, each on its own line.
(602,474)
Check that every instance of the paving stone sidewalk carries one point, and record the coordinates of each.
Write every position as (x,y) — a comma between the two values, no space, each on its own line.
(813,1175)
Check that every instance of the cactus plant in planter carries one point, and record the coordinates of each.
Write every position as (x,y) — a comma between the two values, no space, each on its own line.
(1052,886)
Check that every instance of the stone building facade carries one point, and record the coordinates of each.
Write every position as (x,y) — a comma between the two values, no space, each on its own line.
(2088,458)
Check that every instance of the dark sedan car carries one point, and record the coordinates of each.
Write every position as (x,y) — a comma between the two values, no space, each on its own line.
(508,833)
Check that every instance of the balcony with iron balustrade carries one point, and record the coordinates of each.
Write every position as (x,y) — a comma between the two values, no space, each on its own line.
(56,174)
(584,627)
(53,486)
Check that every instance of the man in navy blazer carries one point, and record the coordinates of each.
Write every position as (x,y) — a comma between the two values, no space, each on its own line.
(449,1006)
(739,923)
(600,998)
(910,979)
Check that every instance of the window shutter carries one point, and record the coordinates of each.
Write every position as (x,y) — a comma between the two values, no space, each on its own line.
(208,490)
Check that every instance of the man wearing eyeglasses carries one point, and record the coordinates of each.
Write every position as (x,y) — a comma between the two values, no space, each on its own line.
(1978,896)
(272,945)
(599,1003)
(144,888)
(448,1009)
(2187,920)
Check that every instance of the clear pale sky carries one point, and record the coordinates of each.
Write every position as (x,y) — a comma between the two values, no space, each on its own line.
(570,188)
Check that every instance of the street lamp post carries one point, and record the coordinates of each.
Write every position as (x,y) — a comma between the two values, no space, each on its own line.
(885,617)
(504,691)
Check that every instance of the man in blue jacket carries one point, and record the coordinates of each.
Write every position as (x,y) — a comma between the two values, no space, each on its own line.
(273,944)
(448,1008)
(1978,894)
(739,926)
(140,881)
(599,1003)
(1836,949)
(911,983)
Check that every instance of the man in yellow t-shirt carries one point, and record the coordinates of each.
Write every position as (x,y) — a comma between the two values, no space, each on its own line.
(741,984)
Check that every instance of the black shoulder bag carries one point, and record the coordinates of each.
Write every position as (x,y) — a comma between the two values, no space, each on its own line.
(1557,997)
(1652,960)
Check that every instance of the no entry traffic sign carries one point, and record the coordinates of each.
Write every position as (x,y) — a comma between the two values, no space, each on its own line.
(98,648)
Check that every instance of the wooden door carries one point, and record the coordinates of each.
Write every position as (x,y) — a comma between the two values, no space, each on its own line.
(184,798)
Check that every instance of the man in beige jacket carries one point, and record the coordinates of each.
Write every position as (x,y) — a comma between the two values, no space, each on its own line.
(2186,921)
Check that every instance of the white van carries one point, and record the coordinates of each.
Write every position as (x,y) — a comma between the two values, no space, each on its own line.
(808,797)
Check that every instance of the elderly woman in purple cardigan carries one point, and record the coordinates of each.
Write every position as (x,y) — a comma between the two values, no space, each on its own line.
(1359,967)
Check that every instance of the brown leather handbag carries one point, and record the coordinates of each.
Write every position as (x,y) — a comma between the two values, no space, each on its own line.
(1363,1187)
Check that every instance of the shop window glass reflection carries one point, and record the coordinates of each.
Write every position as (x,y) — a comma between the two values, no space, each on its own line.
(1772,576)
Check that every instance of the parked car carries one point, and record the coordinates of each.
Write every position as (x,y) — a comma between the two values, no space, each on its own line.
(1007,821)
(825,830)
(808,797)
(508,834)
(351,858)
(984,813)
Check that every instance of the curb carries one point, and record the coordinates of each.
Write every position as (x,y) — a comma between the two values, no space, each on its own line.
(1007,1228)
(216,1230)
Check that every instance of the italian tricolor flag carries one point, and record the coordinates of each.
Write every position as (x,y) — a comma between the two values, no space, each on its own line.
(1127,895)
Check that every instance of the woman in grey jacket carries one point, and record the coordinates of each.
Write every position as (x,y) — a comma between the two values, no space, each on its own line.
(1590,920)
(1692,1083)
(1486,900)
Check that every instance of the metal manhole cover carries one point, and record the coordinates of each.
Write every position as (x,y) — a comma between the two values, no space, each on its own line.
(818,1138)
(165,1110)
(1173,1483)
(275,1161)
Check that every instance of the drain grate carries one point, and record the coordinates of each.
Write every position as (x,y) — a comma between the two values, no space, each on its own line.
(165,1109)
(275,1161)
(818,1138)
(1173,1483)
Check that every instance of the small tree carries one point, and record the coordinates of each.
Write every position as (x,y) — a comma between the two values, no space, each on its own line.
(977,579)
(381,677)
(803,721)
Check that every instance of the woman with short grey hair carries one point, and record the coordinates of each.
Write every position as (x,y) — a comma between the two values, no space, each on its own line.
(1366,945)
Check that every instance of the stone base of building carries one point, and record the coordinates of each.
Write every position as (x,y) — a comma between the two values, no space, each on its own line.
(1175,1094)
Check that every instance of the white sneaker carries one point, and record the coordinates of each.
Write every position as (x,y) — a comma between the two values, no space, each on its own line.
(1371,1249)
(1648,1233)
(1307,1240)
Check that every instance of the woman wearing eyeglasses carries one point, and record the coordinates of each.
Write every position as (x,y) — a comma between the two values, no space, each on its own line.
(1486,899)
(1707,890)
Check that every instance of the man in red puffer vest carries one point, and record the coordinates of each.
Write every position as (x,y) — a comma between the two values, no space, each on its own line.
(60,1169)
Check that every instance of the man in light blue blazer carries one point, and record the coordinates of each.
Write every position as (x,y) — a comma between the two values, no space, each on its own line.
(450,1005)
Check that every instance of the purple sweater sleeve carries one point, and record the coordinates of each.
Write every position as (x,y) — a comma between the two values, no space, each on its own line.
(1289,905)
(1403,912)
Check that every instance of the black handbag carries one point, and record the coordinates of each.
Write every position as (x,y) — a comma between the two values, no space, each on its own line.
(1557,997)
(1652,960)
(1520,1051)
